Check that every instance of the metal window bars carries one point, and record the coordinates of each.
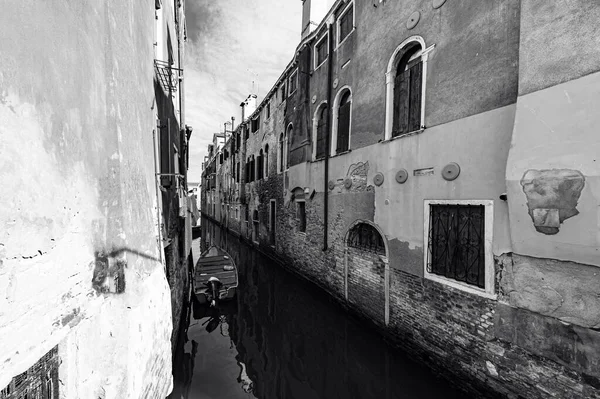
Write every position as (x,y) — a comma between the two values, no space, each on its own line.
(456,243)
(167,75)
(366,237)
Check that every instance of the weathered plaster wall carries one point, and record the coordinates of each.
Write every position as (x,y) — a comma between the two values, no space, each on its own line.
(472,69)
(77,159)
(559,42)
(556,129)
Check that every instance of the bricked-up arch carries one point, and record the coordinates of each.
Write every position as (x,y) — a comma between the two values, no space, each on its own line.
(366,271)
(363,234)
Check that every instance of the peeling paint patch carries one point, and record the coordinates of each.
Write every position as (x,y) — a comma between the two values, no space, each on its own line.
(552,196)
(68,318)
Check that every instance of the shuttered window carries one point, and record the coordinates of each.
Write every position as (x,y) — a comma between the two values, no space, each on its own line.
(322,133)
(293,84)
(346,23)
(407,93)
(343,133)
(321,52)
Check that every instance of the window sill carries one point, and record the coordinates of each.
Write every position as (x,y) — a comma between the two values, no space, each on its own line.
(340,153)
(319,66)
(346,38)
(414,132)
(460,286)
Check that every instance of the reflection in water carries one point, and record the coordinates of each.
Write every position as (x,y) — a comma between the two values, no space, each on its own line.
(282,338)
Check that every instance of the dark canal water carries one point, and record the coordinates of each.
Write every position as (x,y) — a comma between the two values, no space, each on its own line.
(282,338)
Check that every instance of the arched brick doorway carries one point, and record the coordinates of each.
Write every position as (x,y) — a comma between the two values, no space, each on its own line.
(367,270)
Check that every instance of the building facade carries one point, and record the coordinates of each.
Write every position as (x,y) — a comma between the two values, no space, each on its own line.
(433,166)
(94,153)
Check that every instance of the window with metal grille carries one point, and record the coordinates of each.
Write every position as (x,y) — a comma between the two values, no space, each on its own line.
(321,50)
(322,133)
(456,243)
(365,237)
(407,92)
(346,23)
(343,127)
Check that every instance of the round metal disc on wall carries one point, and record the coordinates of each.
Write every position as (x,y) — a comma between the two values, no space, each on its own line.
(336,81)
(378,179)
(438,3)
(314,99)
(413,20)
(331,184)
(401,176)
(451,171)
(348,183)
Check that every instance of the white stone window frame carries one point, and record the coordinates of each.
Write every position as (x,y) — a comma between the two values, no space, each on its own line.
(339,21)
(293,76)
(315,65)
(489,291)
(314,129)
(390,76)
(334,120)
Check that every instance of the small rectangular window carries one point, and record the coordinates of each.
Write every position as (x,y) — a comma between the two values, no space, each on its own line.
(282,92)
(346,23)
(301,215)
(321,50)
(268,110)
(293,84)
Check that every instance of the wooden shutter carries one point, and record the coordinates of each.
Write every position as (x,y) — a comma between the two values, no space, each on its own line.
(322,135)
(401,103)
(416,79)
(343,135)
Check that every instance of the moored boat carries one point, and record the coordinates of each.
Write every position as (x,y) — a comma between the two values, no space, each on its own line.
(216,277)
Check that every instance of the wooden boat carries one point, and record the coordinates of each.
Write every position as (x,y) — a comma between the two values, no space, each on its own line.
(216,277)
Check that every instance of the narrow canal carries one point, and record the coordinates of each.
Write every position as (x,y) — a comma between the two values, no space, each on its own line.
(283,338)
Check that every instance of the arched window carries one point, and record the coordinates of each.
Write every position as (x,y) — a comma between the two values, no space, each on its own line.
(405,88)
(280,159)
(259,165)
(266,168)
(320,126)
(286,149)
(365,237)
(342,120)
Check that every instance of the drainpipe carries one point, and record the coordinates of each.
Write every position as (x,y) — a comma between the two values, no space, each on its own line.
(327,141)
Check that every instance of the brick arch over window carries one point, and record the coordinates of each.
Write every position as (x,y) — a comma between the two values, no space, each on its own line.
(367,236)
(342,121)
(320,131)
(405,81)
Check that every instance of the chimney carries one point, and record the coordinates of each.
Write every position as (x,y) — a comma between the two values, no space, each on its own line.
(313,12)
(248,106)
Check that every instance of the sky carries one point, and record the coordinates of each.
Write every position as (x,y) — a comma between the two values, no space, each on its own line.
(230,44)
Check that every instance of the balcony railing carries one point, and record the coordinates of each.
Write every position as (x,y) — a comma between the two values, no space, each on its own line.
(167,75)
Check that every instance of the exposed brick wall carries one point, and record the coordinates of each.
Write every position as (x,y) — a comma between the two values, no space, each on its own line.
(39,381)
(366,284)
